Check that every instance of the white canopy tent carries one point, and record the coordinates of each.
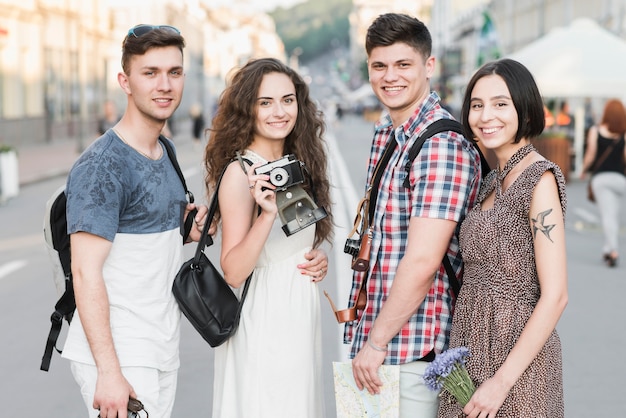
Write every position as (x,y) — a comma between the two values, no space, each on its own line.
(579,61)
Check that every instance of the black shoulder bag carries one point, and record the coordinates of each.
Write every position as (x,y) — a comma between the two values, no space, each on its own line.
(203,295)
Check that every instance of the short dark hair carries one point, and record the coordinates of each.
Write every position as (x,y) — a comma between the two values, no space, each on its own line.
(155,38)
(391,28)
(524,93)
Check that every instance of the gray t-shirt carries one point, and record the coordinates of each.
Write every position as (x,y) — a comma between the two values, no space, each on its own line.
(137,204)
(112,188)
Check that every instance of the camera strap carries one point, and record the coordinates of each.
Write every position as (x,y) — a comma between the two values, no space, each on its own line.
(364,218)
(372,193)
(367,207)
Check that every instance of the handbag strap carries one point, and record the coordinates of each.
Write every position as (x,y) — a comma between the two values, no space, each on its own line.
(190,198)
(206,240)
(604,155)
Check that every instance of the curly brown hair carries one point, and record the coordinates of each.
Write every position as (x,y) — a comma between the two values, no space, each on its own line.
(232,131)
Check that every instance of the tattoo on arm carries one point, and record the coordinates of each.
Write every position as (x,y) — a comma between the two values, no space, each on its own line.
(539,224)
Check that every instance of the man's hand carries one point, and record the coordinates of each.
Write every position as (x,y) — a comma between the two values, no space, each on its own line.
(365,369)
(316,265)
(112,394)
(198,222)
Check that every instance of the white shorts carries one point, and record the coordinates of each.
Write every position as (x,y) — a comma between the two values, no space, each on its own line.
(154,388)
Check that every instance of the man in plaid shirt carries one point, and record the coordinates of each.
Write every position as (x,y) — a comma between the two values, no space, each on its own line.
(408,314)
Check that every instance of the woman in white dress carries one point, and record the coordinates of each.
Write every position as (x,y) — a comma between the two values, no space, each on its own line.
(271,367)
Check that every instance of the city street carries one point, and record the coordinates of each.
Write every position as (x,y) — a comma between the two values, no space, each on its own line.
(589,329)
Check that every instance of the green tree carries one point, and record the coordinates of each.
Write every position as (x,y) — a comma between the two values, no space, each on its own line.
(315,27)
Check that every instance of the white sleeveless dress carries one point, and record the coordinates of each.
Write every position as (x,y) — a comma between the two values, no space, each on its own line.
(271,367)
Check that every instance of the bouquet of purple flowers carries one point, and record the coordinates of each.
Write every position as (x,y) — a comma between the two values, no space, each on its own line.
(448,371)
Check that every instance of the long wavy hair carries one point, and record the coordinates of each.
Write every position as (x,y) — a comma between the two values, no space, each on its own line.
(233,128)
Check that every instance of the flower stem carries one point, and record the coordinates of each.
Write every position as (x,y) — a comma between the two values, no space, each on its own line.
(459,384)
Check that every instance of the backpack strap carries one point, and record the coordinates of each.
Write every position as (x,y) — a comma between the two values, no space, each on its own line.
(66,305)
(190,198)
(437,127)
(64,308)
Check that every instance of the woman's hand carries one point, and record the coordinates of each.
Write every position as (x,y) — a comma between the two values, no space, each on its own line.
(316,266)
(262,190)
(487,399)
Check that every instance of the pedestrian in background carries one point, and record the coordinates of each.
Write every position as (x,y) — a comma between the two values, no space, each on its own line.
(564,119)
(605,160)
(408,313)
(513,244)
(271,366)
(109,118)
(197,122)
(125,206)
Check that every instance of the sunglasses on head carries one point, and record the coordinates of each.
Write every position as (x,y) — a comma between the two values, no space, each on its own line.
(140,30)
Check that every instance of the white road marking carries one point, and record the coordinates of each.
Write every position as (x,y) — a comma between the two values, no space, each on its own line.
(10,267)
(586,215)
(345,200)
(20,242)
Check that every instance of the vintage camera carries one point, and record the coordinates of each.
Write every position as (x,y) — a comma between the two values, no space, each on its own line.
(352,246)
(284,172)
(297,209)
(359,249)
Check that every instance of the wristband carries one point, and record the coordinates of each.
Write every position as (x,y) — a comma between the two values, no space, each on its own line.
(375,347)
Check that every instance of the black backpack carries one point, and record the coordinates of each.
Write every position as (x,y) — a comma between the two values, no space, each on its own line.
(442,125)
(58,246)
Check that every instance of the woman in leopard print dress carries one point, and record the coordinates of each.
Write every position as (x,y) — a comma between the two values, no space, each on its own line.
(513,244)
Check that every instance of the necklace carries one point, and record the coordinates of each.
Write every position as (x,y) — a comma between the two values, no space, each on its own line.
(138,150)
(515,158)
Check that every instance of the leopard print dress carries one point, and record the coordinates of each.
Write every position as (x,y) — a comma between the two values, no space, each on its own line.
(499,292)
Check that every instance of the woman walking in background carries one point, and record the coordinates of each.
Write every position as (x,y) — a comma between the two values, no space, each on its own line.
(605,161)
(271,367)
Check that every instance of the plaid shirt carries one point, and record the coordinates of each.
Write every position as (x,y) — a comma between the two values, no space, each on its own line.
(445,178)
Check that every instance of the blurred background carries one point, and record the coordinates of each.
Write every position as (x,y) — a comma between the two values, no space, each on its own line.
(59,58)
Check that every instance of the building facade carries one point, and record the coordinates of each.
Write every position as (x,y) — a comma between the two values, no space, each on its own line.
(59,59)
(514,24)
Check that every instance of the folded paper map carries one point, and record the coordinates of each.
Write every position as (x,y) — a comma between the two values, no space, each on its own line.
(354,403)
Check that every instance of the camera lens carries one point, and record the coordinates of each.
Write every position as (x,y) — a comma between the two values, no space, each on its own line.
(279,177)
(351,247)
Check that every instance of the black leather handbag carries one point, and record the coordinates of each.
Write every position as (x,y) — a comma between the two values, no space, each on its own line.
(203,295)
